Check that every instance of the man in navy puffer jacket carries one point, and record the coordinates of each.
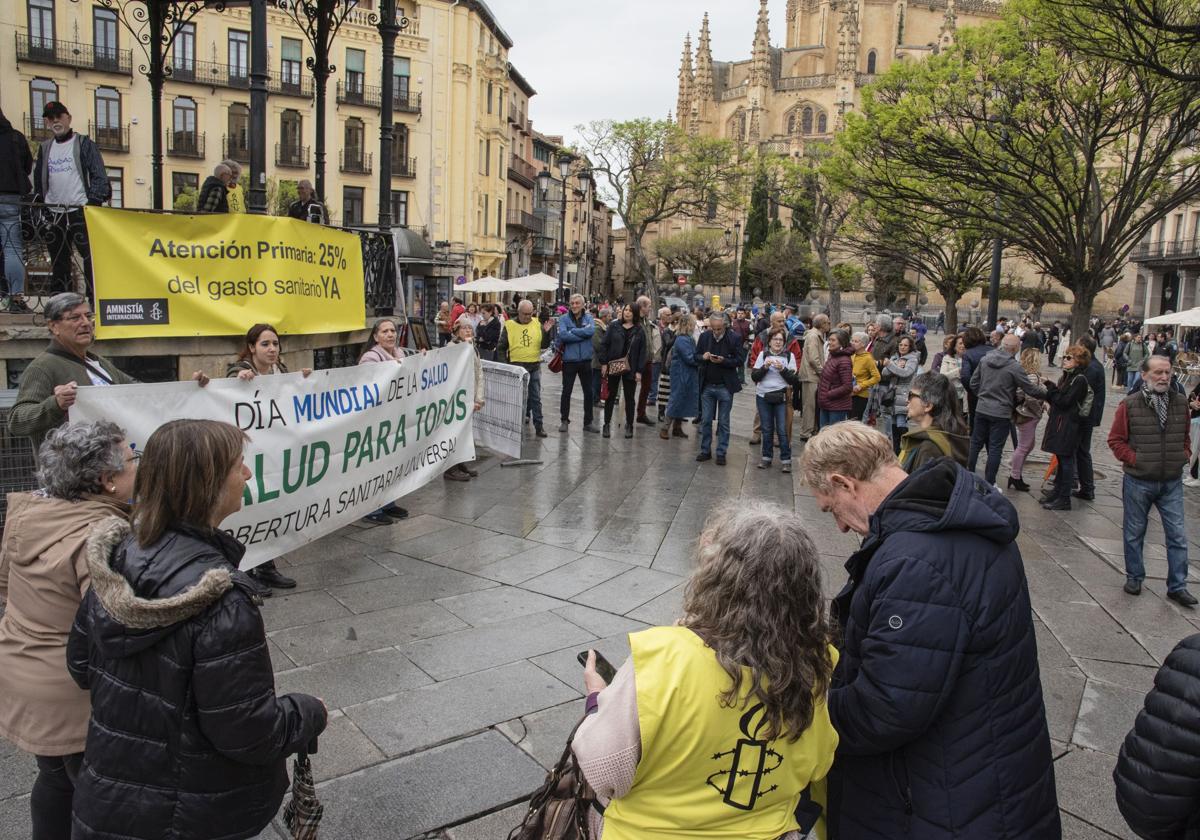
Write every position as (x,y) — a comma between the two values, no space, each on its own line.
(936,698)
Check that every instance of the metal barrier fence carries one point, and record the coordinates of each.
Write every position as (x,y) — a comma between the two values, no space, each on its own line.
(500,425)
(16,457)
(52,246)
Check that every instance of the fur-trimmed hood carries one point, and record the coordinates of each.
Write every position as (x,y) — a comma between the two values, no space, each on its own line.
(139,605)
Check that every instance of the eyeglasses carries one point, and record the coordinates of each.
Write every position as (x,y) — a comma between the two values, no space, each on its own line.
(134,458)
(914,394)
(77,317)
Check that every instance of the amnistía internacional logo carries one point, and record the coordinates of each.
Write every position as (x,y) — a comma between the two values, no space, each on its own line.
(133,312)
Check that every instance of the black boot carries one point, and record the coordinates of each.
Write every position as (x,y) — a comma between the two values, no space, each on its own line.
(269,575)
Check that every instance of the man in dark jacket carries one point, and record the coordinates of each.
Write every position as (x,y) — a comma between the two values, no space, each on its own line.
(977,347)
(995,382)
(936,698)
(306,207)
(15,165)
(203,753)
(69,174)
(1095,376)
(1150,437)
(1156,772)
(721,352)
(214,194)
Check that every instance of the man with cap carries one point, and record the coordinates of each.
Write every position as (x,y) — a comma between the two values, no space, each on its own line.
(69,174)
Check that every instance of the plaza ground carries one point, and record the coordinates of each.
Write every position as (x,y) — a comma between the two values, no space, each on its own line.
(445,645)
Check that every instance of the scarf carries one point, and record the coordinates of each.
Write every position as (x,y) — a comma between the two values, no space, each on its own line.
(1159,402)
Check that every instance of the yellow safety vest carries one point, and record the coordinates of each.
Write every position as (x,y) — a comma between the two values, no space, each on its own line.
(524,340)
(237,200)
(703,771)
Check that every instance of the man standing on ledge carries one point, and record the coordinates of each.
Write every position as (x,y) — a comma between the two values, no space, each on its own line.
(521,344)
(1150,438)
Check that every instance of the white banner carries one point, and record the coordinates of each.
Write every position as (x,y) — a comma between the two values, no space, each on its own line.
(324,450)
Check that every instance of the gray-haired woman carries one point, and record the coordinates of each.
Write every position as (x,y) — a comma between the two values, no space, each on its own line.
(86,475)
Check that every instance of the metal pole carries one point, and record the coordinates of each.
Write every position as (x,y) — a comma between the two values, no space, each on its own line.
(737,242)
(256,196)
(156,22)
(388,30)
(320,69)
(994,284)
(562,243)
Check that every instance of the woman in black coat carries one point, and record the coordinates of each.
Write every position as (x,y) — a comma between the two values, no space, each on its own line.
(1065,426)
(187,737)
(623,340)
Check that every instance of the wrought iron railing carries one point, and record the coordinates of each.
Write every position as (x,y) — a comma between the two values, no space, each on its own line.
(293,156)
(37,129)
(234,149)
(189,144)
(110,138)
(1172,249)
(522,170)
(354,160)
(236,77)
(370,96)
(522,219)
(404,167)
(72,54)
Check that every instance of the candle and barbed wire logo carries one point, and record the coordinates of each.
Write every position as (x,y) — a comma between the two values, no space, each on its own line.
(751,761)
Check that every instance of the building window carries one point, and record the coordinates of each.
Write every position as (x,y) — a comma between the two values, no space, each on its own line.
(116,180)
(356,63)
(239,56)
(183,55)
(104,36)
(41,24)
(183,111)
(400,149)
(806,121)
(290,63)
(41,91)
(871,61)
(290,127)
(352,147)
(400,208)
(401,69)
(487,158)
(238,146)
(499,215)
(541,153)
(352,205)
(183,181)
(822,123)
(490,89)
(108,118)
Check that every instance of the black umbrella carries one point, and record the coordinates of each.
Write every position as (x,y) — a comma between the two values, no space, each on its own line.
(302,815)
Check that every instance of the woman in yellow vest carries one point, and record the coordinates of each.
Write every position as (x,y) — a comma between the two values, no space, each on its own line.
(236,195)
(717,727)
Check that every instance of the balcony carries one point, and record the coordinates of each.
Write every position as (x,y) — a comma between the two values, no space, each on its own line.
(522,171)
(354,161)
(404,167)
(236,77)
(524,221)
(370,96)
(545,246)
(110,138)
(37,129)
(186,144)
(234,149)
(1179,250)
(291,156)
(70,54)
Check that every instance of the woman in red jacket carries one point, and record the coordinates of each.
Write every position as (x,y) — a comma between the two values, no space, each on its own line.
(835,389)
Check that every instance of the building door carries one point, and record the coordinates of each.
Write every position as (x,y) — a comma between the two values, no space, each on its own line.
(1169,301)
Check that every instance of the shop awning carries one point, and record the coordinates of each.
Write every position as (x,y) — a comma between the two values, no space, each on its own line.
(413,252)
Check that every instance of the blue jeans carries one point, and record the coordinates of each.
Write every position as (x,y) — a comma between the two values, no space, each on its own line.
(990,432)
(773,419)
(828,418)
(10,238)
(652,397)
(1167,496)
(1129,377)
(534,406)
(715,401)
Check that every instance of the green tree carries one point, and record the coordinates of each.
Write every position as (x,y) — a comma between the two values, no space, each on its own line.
(651,171)
(1038,294)
(758,224)
(1072,159)
(280,195)
(186,200)
(782,267)
(697,251)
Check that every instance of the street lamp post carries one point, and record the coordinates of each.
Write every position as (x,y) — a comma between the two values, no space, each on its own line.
(736,235)
(564,171)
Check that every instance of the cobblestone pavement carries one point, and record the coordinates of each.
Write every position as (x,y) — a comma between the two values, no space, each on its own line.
(445,645)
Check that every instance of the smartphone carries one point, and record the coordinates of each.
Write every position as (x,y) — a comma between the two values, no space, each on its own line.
(603,667)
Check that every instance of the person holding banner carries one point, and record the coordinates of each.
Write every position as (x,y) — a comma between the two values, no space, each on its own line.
(382,349)
(187,736)
(49,384)
(463,333)
(521,343)
(260,357)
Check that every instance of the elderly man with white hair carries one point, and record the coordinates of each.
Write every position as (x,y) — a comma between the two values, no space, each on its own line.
(936,697)
(214,195)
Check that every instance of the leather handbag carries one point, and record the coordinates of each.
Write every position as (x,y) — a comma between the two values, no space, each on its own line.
(556,361)
(618,367)
(558,810)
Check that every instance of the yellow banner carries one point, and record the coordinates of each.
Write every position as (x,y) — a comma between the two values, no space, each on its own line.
(162,275)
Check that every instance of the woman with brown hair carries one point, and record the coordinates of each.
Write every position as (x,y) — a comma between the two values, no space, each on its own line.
(187,737)
(1070,400)
(732,692)
(1026,416)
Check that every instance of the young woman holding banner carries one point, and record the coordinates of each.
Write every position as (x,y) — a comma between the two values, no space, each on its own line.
(260,357)
(383,348)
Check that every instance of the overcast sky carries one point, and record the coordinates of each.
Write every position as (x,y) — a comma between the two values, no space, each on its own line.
(596,59)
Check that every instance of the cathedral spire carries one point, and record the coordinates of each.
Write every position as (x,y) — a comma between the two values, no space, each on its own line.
(949,25)
(760,61)
(687,78)
(703,90)
(848,40)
